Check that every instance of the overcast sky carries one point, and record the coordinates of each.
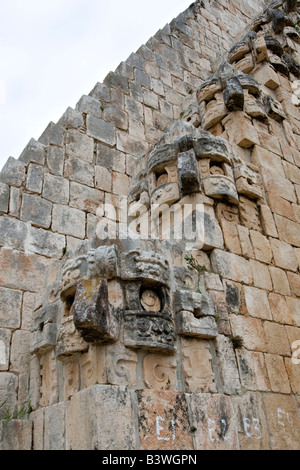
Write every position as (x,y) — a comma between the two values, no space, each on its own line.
(54,51)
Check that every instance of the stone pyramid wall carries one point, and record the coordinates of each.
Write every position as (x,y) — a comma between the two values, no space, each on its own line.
(234,379)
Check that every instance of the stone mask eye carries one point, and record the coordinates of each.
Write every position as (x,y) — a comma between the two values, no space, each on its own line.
(150,300)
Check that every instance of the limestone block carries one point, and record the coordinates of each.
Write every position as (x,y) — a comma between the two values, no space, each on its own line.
(240,129)
(100,417)
(159,372)
(18,436)
(130,144)
(68,221)
(101,130)
(215,423)
(53,135)
(227,366)
(288,230)
(37,418)
(46,243)
(214,112)
(253,371)
(208,89)
(217,186)
(101,92)
(188,174)
(54,427)
(36,210)
(69,341)
(254,107)
(231,237)
(233,94)
(56,189)
(249,214)
(80,171)
(277,374)
(5,339)
(49,380)
(10,308)
(103,178)
(71,119)
(20,351)
(163,420)
(8,389)
(35,178)
(247,181)
(260,47)
(89,105)
(71,377)
(13,233)
(84,198)
(261,246)
(251,422)
(116,116)
(257,303)
(94,316)
(251,330)
(13,172)
(4,197)
(44,340)
(166,194)
(279,280)
(284,255)
(274,109)
(33,152)
(189,325)
(55,159)
(246,64)
(197,368)
(246,245)
(293,371)
(267,221)
(30,275)
(120,184)
(267,76)
(110,158)
(294,281)
(231,266)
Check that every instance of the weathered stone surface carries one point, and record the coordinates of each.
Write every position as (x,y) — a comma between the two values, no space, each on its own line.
(288,230)
(227,366)
(109,427)
(284,255)
(13,233)
(13,172)
(36,210)
(85,198)
(257,303)
(4,197)
(231,266)
(101,130)
(31,275)
(53,135)
(55,159)
(79,145)
(215,423)
(5,338)
(251,330)
(68,221)
(283,421)
(89,105)
(35,178)
(33,152)
(18,436)
(163,420)
(252,422)
(278,376)
(71,119)
(197,367)
(8,389)
(10,308)
(253,371)
(79,170)
(56,189)
(20,351)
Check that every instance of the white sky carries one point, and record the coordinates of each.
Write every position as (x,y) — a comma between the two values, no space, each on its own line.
(54,51)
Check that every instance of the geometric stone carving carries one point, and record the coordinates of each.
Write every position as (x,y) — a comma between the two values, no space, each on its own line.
(197,366)
(247,181)
(159,372)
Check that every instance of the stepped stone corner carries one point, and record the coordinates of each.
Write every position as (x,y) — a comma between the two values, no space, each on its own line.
(150,248)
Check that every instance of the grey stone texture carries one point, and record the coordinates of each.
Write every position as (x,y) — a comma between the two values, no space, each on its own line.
(68,221)
(36,210)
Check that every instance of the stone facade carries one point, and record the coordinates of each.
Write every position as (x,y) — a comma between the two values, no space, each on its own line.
(185,339)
